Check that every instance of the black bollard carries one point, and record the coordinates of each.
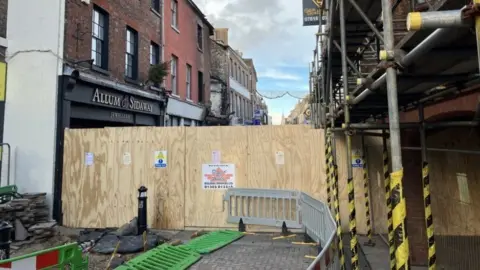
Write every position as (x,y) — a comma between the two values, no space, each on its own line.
(5,236)
(142,210)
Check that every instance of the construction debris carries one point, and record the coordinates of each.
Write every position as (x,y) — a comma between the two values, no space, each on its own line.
(29,217)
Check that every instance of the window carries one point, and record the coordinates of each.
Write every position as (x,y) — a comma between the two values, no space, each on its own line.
(174,8)
(154,54)
(189,81)
(173,74)
(157,5)
(234,74)
(131,54)
(231,67)
(200,36)
(200,87)
(99,51)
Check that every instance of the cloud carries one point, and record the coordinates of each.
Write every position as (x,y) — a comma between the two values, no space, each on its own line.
(268,31)
(278,75)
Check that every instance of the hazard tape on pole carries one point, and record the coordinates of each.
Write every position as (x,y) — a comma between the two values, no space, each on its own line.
(432,258)
(388,194)
(399,221)
(328,158)
(336,205)
(352,223)
(367,198)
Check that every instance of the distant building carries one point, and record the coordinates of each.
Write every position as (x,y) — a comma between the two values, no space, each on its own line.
(241,81)
(301,113)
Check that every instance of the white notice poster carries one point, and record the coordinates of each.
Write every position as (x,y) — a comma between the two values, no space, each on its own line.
(216,156)
(127,158)
(279,158)
(218,176)
(88,159)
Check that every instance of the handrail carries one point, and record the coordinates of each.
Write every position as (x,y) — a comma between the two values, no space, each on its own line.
(295,209)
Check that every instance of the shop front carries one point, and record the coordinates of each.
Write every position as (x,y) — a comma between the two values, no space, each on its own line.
(87,101)
(92,106)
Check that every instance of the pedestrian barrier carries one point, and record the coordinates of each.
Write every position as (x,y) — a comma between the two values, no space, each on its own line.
(273,207)
(212,241)
(163,257)
(269,207)
(67,256)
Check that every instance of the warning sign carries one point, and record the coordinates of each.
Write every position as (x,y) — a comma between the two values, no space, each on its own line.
(218,176)
(160,159)
(357,158)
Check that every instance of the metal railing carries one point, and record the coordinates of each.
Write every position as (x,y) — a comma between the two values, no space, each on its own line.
(298,210)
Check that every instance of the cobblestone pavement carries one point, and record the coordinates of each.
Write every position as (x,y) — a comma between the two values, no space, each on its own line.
(258,252)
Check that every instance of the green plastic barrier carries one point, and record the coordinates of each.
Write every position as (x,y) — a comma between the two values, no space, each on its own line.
(163,257)
(214,240)
(68,256)
(8,192)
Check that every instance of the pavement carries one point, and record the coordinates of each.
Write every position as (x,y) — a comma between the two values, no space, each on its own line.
(258,251)
(378,256)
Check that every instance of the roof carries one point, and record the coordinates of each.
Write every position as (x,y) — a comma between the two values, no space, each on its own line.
(201,15)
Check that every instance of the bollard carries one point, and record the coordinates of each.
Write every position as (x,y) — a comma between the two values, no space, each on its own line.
(5,235)
(142,210)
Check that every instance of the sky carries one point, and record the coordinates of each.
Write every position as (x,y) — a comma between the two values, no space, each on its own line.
(270,32)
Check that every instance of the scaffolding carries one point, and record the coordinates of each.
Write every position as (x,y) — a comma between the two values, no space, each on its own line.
(365,71)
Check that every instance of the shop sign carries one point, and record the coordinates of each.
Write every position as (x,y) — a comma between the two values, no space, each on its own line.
(125,102)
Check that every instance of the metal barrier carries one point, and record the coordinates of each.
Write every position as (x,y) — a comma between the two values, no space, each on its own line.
(273,207)
(269,207)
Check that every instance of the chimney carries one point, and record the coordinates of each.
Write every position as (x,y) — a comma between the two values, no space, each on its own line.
(221,34)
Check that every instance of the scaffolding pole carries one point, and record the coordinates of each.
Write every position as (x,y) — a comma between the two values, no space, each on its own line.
(351,190)
(398,197)
(366,193)
(426,195)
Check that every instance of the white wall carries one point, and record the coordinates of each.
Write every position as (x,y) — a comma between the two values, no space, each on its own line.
(35,46)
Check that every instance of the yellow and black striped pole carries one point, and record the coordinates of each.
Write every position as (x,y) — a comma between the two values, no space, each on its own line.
(432,258)
(351,199)
(366,194)
(336,205)
(328,165)
(388,194)
(399,212)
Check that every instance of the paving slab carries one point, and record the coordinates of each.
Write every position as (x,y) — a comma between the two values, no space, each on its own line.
(259,251)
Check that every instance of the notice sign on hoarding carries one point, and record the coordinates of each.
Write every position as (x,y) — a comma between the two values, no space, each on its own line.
(357,158)
(218,176)
(311,12)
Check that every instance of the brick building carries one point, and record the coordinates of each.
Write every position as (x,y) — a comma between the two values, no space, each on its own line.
(187,47)
(111,49)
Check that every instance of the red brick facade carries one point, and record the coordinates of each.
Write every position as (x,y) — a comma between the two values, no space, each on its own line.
(133,13)
(182,43)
